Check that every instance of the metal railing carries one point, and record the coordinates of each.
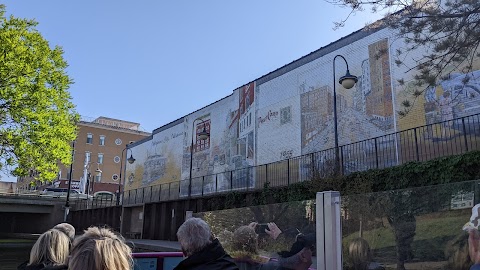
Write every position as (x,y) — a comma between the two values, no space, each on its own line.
(96,202)
(422,143)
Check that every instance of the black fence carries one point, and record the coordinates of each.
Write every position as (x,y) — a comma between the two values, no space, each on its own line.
(422,143)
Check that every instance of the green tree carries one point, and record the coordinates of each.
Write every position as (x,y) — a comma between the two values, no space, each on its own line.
(37,117)
(447,31)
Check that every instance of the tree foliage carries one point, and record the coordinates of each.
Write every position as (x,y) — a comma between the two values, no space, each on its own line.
(446,31)
(37,117)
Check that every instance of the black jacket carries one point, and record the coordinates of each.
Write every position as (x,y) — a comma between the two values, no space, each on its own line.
(252,265)
(212,257)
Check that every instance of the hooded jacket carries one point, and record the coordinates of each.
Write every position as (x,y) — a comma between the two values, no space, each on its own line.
(212,257)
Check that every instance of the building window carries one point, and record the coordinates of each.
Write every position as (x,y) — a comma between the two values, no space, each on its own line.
(116,159)
(98,177)
(68,175)
(90,138)
(102,140)
(118,141)
(87,156)
(115,177)
(100,158)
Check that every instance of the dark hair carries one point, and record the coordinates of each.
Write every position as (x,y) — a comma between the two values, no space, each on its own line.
(303,241)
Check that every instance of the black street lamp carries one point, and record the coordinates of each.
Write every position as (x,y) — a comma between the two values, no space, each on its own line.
(130,160)
(347,81)
(202,135)
(67,202)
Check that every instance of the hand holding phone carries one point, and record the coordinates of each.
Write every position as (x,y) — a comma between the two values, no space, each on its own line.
(261,228)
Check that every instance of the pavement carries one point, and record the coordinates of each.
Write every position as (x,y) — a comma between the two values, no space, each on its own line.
(155,245)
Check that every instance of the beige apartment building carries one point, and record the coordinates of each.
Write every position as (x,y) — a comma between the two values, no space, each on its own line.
(97,158)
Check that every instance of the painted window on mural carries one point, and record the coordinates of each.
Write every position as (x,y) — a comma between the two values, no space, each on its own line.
(202,144)
(285,115)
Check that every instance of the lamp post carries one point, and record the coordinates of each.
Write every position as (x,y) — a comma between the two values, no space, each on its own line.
(202,135)
(130,160)
(67,202)
(89,178)
(347,81)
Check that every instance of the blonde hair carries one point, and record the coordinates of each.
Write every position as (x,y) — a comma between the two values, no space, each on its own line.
(50,249)
(457,253)
(359,252)
(100,249)
(67,229)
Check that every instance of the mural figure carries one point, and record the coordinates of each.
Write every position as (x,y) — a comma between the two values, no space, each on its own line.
(455,97)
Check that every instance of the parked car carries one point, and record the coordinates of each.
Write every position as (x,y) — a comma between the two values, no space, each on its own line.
(63,192)
(104,196)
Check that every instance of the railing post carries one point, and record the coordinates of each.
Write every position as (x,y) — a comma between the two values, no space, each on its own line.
(151,193)
(313,166)
(170,187)
(231,180)
(342,168)
(376,152)
(464,134)
(160,193)
(416,144)
(216,183)
(203,183)
(266,174)
(288,172)
(136,193)
(248,177)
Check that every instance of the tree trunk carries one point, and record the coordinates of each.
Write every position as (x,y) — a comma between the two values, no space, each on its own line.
(404,227)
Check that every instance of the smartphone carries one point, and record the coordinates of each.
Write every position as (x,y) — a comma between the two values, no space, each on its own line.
(261,227)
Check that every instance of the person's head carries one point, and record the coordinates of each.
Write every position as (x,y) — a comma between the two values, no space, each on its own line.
(245,239)
(51,248)
(100,249)
(194,235)
(67,229)
(226,238)
(457,253)
(359,253)
(302,241)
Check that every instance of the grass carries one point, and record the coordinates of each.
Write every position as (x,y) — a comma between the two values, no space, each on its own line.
(433,231)
(16,241)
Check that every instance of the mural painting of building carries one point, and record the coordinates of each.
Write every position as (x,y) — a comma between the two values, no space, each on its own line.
(245,158)
(289,112)
(379,98)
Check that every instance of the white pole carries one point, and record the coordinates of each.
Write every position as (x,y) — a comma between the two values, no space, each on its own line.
(329,231)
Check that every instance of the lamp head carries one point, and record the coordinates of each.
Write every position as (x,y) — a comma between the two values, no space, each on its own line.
(131,160)
(98,171)
(203,135)
(348,81)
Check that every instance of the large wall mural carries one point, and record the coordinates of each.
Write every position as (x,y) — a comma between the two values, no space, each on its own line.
(157,160)
(291,115)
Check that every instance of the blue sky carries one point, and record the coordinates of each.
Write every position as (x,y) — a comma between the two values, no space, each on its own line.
(154,61)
